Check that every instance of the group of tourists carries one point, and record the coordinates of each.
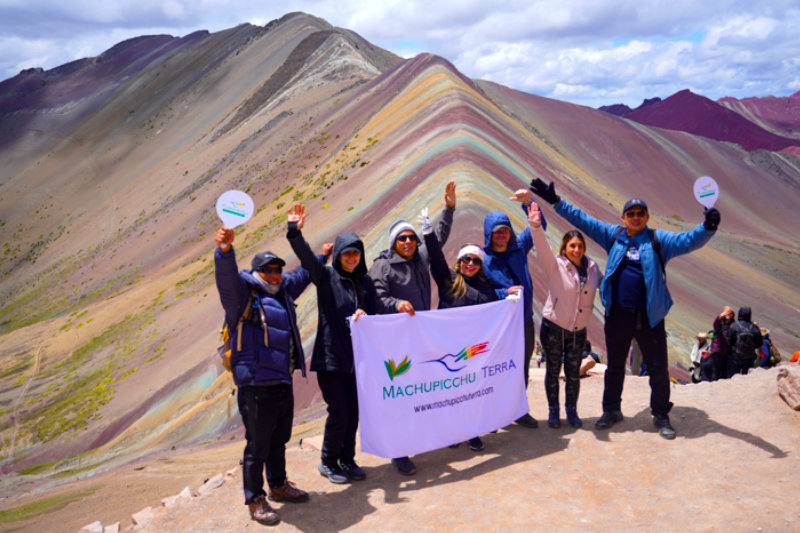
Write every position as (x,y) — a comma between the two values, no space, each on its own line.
(267,348)
(732,347)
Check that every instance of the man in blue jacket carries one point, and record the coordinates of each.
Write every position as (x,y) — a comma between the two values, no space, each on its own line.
(635,295)
(266,350)
(506,266)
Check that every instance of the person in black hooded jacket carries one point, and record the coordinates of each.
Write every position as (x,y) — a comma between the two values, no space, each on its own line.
(743,338)
(343,289)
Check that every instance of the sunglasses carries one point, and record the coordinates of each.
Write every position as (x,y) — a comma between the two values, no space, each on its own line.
(404,238)
(469,259)
(266,269)
(638,213)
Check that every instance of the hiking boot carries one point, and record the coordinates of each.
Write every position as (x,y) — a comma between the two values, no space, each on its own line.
(608,419)
(288,492)
(572,417)
(404,466)
(261,512)
(352,470)
(552,419)
(475,444)
(664,427)
(527,421)
(334,473)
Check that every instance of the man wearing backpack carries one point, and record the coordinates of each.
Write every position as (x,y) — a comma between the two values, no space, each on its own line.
(635,295)
(743,339)
(266,350)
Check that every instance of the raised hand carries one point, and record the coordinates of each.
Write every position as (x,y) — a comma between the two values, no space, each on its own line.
(546,192)
(224,238)
(534,215)
(521,195)
(712,219)
(297,214)
(450,194)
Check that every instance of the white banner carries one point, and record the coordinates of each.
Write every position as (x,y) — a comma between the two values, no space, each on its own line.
(439,377)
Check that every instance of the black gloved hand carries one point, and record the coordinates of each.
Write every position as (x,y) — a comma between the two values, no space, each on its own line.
(544,191)
(712,219)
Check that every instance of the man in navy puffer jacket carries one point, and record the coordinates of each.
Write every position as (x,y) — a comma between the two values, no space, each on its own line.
(263,367)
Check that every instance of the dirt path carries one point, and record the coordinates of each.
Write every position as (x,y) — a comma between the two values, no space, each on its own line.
(733,467)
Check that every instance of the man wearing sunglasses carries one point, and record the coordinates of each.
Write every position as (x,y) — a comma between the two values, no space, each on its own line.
(266,352)
(635,295)
(402,275)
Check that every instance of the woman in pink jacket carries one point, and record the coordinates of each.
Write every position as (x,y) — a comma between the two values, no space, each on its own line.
(572,280)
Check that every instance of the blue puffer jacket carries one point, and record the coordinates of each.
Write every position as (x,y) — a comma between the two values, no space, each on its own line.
(498,267)
(258,364)
(615,242)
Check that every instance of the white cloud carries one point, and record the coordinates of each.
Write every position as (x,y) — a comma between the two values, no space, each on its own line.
(587,51)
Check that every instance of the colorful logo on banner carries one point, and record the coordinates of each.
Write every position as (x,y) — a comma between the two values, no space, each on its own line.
(397,370)
(451,362)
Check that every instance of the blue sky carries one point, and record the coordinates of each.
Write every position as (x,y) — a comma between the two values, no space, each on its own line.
(590,52)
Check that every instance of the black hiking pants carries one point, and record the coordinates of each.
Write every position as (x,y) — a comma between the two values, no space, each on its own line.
(267,413)
(339,392)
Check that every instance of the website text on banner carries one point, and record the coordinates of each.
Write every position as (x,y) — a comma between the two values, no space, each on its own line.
(438,377)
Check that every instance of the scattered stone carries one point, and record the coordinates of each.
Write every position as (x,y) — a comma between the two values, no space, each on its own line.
(789,388)
(143,517)
(185,494)
(113,528)
(211,484)
(94,527)
(182,496)
(232,472)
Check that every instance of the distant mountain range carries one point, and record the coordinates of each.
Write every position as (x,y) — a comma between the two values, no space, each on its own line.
(109,315)
(768,123)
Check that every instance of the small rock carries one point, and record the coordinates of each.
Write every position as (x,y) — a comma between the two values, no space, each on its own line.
(94,527)
(789,388)
(143,517)
(185,494)
(211,484)
(232,472)
(113,528)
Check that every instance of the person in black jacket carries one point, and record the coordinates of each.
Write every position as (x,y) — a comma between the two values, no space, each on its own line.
(266,349)
(343,289)
(743,338)
(463,284)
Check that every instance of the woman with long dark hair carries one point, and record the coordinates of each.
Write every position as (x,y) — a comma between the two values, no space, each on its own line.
(463,284)
(572,279)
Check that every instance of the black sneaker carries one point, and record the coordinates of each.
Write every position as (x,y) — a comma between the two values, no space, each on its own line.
(404,466)
(527,421)
(334,473)
(608,419)
(475,444)
(664,427)
(352,470)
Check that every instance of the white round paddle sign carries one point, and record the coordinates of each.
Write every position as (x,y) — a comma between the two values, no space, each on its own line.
(234,208)
(706,191)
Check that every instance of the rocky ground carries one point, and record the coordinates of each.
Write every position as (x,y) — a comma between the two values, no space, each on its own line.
(733,467)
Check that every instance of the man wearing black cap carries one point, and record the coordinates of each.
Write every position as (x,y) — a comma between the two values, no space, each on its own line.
(266,350)
(635,295)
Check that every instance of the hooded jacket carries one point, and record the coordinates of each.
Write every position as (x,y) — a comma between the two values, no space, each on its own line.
(397,278)
(568,305)
(743,328)
(615,242)
(501,268)
(257,363)
(339,294)
(478,289)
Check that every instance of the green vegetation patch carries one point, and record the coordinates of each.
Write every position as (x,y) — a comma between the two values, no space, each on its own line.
(45,505)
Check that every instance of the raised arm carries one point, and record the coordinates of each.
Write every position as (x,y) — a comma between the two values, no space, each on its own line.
(296,220)
(544,256)
(232,289)
(439,269)
(445,222)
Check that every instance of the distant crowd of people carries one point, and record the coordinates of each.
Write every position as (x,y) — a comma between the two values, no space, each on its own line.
(267,349)
(732,347)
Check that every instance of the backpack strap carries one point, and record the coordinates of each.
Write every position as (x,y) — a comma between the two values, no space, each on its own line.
(255,301)
(654,242)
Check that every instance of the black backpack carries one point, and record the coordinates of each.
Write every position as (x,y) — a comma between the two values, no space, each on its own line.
(747,341)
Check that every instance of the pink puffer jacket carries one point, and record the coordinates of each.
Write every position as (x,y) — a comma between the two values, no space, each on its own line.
(567,305)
